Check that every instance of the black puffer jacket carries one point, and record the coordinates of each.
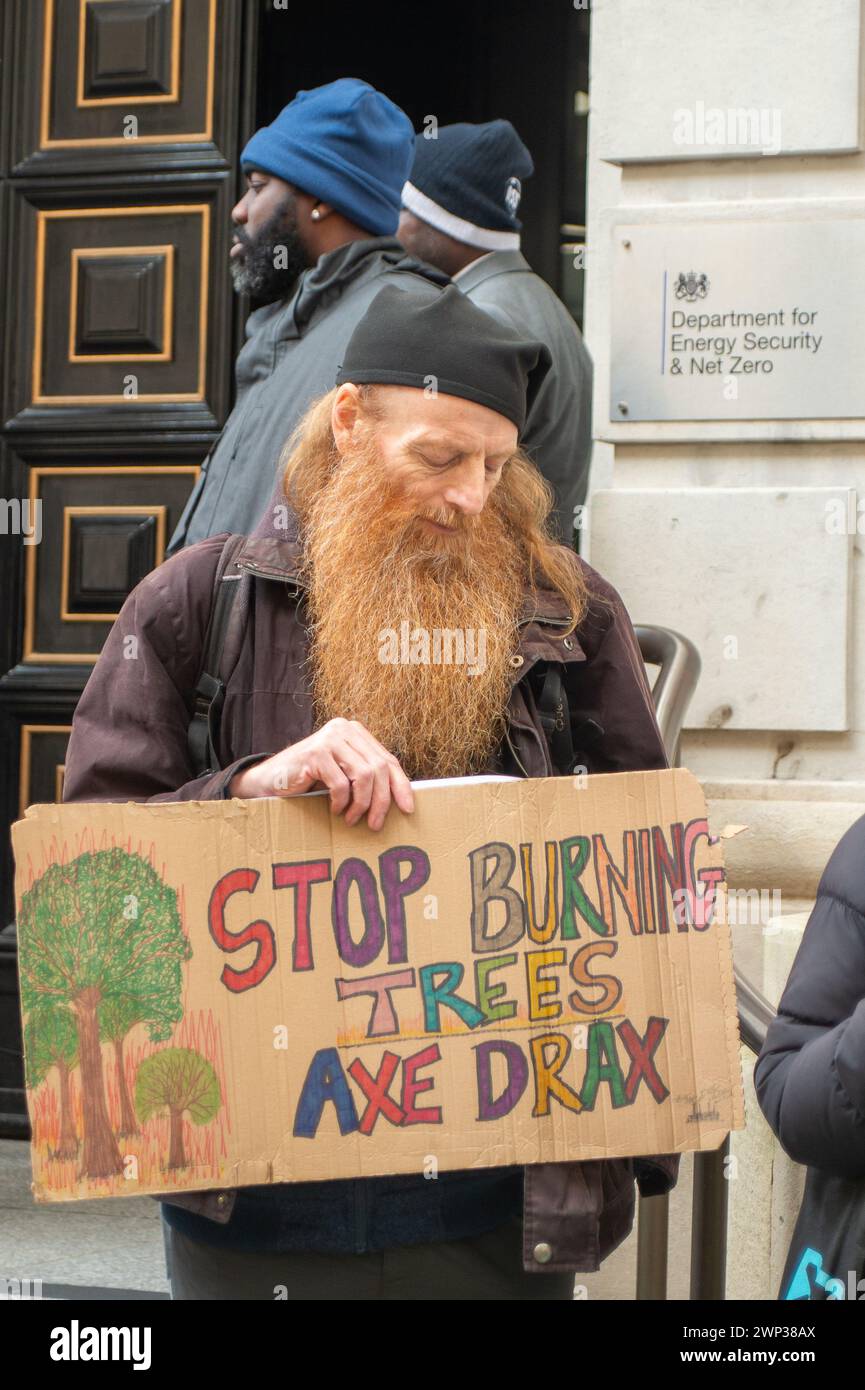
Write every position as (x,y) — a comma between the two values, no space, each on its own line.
(810,1074)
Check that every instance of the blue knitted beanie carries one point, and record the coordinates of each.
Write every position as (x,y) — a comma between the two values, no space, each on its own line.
(344,143)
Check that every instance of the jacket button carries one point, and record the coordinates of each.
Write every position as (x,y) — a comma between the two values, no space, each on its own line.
(222,1199)
(543,1253)
(517,661)
(566,641)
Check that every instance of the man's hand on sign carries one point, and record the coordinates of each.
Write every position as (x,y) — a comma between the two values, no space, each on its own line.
(344,758)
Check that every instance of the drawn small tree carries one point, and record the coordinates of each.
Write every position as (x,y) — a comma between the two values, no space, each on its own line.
(80,946)
(117,1017)
(184,1081)
(51,1040)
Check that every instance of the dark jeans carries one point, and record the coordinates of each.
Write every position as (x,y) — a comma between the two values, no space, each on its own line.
(488,1266)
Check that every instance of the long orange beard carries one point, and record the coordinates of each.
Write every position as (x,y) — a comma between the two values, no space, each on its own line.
(411,632)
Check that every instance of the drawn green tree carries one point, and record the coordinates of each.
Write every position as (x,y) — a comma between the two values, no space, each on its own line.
(184,1081)
(101,929)
(51,1040)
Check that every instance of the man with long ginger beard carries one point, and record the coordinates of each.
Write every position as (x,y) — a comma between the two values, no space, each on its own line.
(403,619)
(437,559)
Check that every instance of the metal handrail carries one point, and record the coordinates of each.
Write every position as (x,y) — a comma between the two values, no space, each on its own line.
(680,666)
(755,1013)
(679,663)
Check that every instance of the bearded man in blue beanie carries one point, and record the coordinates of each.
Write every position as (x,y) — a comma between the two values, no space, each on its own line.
(460,206)
(314,243)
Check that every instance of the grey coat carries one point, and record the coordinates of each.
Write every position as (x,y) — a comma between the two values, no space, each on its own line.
(291,356)
(558,433)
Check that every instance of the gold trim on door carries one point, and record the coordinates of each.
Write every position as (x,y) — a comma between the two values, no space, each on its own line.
(80,253)
(36,474)
(159,512)
(43,216)
(27,731)
(131,99)
(177,137)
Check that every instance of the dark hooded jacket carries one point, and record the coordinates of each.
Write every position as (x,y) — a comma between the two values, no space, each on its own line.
(129,742)
(293,349)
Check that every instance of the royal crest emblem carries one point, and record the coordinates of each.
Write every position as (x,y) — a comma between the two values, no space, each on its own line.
(691,286)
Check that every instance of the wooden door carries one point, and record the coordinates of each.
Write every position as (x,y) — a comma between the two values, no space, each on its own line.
(121,123)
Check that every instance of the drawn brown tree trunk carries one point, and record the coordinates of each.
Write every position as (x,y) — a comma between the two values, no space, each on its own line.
(128,1121)
(68,1146)
(176,1152)
(101,1156)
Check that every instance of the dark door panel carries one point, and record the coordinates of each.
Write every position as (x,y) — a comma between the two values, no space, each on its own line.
(118,171)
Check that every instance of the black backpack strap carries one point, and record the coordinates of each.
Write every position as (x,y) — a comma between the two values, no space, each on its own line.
(552,706)
(559,720)
(203,731)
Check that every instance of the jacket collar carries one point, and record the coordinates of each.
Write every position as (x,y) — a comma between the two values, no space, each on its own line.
(332,272)
(543,610)
(487,267)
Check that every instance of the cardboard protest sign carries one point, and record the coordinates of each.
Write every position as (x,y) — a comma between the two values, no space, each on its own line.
(224,993)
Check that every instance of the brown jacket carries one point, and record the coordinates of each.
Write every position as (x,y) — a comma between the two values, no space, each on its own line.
(129,743)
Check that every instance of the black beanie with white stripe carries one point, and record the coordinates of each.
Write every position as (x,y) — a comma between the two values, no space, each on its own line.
(467,181)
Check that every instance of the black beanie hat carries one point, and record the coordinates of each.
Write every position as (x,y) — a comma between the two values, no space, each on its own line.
(441,337)
(467,181)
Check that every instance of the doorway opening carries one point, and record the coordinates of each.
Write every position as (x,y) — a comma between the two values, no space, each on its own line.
(459,61)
